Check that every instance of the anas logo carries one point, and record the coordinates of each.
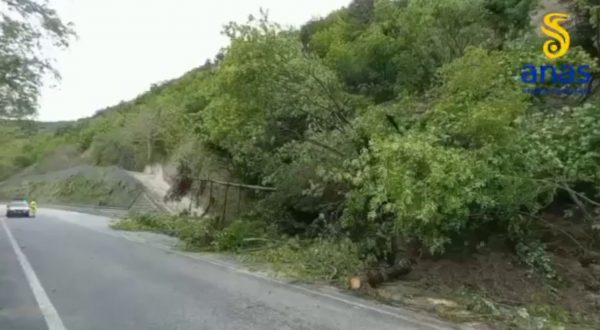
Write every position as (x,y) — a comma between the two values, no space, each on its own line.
(556,78)
(561,39)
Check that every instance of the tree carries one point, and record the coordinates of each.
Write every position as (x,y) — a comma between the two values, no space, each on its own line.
(27,29)
(267,93)
(147,132)
(403,46)
(114,149)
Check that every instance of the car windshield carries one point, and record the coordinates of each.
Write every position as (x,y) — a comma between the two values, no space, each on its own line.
(20,204)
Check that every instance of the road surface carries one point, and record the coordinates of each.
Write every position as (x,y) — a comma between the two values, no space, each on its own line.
(66,270)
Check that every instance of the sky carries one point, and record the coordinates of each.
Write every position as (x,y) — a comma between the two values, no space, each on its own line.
(124,46)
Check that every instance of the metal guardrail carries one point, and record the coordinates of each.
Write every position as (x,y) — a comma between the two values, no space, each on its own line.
(158,205)
(94,210)
(103,210)
(109,211)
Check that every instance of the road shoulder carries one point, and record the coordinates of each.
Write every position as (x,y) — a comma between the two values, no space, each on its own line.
(18,307)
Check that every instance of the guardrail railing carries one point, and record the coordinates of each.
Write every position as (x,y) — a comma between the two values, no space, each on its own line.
(83,208)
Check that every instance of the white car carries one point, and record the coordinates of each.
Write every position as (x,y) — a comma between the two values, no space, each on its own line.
(18,209)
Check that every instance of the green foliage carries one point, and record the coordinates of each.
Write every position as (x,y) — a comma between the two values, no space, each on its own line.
(320,259)
(272,106)
(25,26)
(241,235)
(112,149)
(567,142)
(556,316)
(24,143)
(307,259)
(510,16)
(200,233)
(457,149)
(93,187)
(428,188)
(480,99)
(194,233)
(533,254)
(385,122)
(145,222)
(403,47)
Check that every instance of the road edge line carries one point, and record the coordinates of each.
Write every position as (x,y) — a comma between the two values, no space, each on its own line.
(416,318)
(53,320)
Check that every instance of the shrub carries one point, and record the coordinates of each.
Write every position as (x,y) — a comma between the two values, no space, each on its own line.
(533,254)
(319,259)
(241,234)
(194,233)
(141,222)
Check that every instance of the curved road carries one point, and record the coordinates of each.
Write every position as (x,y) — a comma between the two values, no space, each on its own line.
(66,270)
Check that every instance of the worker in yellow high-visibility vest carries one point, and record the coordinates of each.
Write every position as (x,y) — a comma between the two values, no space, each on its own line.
(32,208)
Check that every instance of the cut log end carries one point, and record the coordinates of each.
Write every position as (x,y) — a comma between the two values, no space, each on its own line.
(376,277)
(356,282)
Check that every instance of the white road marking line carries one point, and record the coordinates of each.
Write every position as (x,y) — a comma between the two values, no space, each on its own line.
(417,319)
(48,311)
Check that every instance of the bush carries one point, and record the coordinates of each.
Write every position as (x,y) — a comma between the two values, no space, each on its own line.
(194,233)
(240,235)
(533,254)
(319,259)
(23,161)
(152,221)
(142,222)
(114,149)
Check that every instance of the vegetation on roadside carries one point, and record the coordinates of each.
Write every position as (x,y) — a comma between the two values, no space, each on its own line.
(195,233)
(390,130)
(318,259)
(28,29)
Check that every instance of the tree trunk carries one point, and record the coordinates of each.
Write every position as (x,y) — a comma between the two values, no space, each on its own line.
(149,150)
(375,277)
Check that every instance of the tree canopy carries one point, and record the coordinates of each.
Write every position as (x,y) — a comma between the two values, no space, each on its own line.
(385,120)
(28,29)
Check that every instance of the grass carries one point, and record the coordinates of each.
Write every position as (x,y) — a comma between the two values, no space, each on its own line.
(194,233)
(331,261)
(89,186)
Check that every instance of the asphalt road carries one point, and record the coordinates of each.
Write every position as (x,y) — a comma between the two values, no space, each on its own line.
(65,270)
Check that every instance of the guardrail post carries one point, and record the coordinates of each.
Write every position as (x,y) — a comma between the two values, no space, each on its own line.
(224,207)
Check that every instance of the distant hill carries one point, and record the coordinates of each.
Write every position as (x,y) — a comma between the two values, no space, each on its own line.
(24,127)
(52,125)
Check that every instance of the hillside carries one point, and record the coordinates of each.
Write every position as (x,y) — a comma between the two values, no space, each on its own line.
(86,185)
(21,143)
(387,137)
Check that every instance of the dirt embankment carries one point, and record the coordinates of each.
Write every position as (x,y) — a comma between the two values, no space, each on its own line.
(493,285)
(155,182)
